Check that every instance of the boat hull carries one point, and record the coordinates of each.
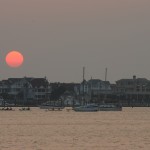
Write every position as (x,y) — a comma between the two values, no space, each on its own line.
(51,107)
(86,108)
(110,109)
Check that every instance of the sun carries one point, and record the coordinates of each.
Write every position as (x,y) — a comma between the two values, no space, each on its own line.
(14,59)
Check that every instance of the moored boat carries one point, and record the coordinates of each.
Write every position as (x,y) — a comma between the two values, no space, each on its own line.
(110,107)
(87,108)
(51,107)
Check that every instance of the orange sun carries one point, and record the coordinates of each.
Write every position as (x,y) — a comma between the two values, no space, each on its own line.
(14,59)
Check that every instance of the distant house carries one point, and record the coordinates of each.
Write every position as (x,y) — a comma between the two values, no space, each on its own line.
(133,86)
(92,90)
(4,86)
(17,85)
(134,90)
(40,88)
(26,89)
(95,87)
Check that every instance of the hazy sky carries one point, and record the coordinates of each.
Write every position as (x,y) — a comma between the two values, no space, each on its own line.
(59,37)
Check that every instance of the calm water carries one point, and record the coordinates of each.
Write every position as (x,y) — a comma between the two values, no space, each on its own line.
(62,130)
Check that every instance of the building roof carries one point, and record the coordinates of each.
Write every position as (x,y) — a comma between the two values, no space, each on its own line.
(13,80)
(127,80)
(96,81)
(5,82)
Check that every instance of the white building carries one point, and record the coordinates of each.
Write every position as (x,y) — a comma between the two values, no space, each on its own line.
(95,86)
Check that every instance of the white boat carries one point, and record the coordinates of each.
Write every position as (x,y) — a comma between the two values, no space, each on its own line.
(110,107)
(87,108)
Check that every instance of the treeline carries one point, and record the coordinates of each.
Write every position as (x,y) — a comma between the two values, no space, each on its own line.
(59,89)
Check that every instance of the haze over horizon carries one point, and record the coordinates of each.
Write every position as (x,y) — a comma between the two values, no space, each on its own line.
(59,37)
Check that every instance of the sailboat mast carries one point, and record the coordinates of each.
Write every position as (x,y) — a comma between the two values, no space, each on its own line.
(105,74)
(83,78)
(83,73)
(83,83)
(105,97)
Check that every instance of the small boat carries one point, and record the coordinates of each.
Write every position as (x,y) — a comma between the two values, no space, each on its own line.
(7,109)
(110,107)
(51,107)
(87,108)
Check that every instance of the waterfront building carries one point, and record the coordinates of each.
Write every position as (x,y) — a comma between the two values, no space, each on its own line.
(25,90)
(134,91)
(93,90)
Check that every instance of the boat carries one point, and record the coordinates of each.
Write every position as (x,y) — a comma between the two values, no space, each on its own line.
(7,109)
(110,107)
(51,107)
(87,108)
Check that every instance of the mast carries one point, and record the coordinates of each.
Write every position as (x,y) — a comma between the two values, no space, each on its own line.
(83,73)
(91,89)
(105,74)
(105,96)
(83,83)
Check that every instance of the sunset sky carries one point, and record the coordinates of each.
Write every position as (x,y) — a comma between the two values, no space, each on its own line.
(59,37)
